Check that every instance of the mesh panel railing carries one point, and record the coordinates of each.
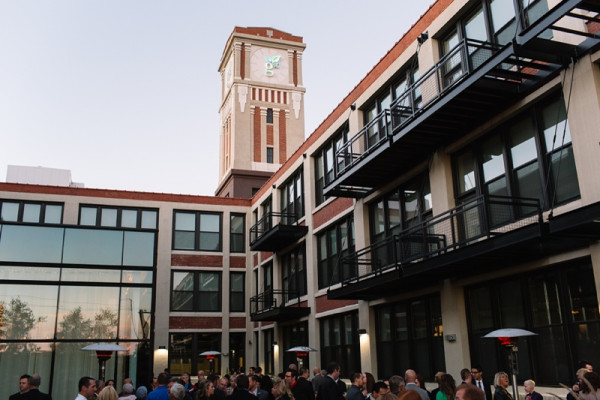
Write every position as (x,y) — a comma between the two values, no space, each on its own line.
(268,222)
(479,219)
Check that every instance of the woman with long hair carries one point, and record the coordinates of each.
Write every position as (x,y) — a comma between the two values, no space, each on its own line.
(501,382)
(447,388)
(282,391)
(205,390)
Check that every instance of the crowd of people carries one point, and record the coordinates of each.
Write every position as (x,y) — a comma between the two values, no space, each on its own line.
(296,384)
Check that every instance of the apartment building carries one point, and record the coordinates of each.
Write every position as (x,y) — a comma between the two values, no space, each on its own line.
(451,193)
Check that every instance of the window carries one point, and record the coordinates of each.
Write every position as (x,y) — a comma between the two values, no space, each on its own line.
(269,155)
(294,273)
(30,212)
(335,242)
(490,21)
(118,217)
(185,349)
(530,157)
(339,341)
(195,291)
(237,351)
(236,292)
(327,165)
(237,240)
(197,231)
(558,303)
(269,115)
(410,334)
(292,198)
(269,356)
(294,335)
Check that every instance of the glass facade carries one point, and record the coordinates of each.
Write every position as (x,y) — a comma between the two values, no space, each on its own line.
(63,288)
(185,350)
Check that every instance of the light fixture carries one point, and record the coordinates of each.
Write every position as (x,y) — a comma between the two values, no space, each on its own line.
(353,106)
(362,331)
(162,347)
(274,186)
(275,343)
(423,37)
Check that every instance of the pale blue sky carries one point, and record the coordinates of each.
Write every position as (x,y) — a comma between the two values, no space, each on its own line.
(125,93)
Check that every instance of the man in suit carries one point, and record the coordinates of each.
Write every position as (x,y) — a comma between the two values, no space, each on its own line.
(34,390)
(410,377)
(465,375)
(477,373)
(255,388)
(303,390)
(23,387)
(317,379)
(328,389)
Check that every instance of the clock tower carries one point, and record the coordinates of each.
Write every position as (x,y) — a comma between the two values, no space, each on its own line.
(262,107)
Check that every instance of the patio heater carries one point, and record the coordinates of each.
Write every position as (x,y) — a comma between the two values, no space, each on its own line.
(301,351)
(104,353)
(508,338)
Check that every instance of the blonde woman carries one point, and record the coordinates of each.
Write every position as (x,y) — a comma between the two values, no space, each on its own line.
(108,393)
(282,391)
(501,382)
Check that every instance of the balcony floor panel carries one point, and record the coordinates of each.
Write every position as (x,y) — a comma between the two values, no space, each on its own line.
(279,237)
(281,314)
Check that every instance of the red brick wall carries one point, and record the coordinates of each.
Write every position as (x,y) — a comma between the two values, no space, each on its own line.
(257,133)
(322,304)
(329,212)
(237,322)
(195,323)
(282,136)
(237,262)
(187,260)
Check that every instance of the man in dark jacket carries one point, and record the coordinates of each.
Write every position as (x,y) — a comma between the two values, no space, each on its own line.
(328,389)
(355,391)
(34,390)
(241,389)
(303,389)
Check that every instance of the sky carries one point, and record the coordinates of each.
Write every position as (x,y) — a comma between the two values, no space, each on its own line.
(126,93)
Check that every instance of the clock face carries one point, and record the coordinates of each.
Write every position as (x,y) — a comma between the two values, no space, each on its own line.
(269,65)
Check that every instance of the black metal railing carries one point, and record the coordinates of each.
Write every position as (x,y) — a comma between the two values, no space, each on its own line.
(463,59)
(271,299)
(482,218)
(268,222)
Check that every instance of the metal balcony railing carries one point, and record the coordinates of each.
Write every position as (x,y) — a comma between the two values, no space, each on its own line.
(480,219)
(462,60)
(270,300)
(268,222)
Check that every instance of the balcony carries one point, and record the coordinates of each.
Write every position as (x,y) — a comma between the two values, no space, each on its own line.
(485,234)
(275,231)
(473,82)
(272,305)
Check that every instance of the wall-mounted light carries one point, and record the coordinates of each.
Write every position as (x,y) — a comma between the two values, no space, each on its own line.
(304,155)
(162,347)
(353,106)
(362,331)
(423,37)
(274,186)
(274,344)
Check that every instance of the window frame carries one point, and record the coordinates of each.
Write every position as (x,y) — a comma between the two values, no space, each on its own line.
(293,206)
(237,293)
(326,263)
(293,275)
(233,234)
(100,209)
(322,168)
(197,230)
(197,294)
(41,220)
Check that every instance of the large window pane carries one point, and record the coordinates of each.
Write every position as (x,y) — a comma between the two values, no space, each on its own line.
(135,316)
(88,312)
(182,291)
(210,287)
(29,312)
(138,249)
(90,275)
(86,246)
(28,273)
(31,244)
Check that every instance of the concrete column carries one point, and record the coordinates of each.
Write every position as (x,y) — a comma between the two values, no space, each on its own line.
(584,120)
(290,61)
(299,67)
(454,318)
(368,348)
(237,60)
(440,181)
(248,48)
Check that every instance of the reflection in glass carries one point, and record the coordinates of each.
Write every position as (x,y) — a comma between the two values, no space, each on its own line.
(88,312)
(466,172)
(138,249)
(210,222)
(475,27)
(30,244)
(37,357)
(10,272)
(90,275)
(493,158)
(137,277)
(182,291)
(523,147)
(86,246)
(29,313)
(134,319)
